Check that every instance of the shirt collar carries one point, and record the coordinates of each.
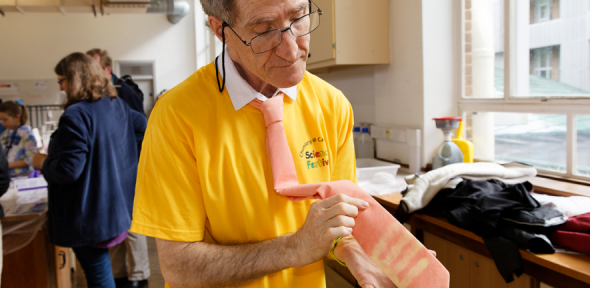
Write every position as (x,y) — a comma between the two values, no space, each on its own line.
(240,92)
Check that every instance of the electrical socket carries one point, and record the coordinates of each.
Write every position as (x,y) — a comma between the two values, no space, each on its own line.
(378,132)
(398,135)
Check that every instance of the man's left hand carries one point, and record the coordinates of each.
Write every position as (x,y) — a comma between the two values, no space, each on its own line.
(366,272)
(38,160)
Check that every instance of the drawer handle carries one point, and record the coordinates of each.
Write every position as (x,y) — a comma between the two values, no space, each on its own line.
(476,264)
(62,255)
(461,256)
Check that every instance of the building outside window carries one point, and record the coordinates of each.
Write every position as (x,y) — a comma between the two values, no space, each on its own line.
(526,93)
(545,62)
(543,10)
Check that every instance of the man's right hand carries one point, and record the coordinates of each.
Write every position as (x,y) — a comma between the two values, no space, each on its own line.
(326,220)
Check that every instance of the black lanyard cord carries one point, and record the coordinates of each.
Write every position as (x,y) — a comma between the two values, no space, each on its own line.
(222,61)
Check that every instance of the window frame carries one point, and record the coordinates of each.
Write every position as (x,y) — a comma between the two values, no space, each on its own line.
(568,105)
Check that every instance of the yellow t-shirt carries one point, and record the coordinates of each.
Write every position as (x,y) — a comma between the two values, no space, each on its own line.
(205,175)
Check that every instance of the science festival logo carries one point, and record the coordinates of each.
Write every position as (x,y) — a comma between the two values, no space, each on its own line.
(314,158)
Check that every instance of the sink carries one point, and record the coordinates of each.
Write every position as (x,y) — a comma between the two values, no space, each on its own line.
(367,167)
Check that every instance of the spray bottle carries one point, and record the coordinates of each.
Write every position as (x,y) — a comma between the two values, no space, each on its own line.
(465,145)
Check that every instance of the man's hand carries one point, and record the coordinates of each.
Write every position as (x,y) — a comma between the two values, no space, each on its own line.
(326,220)
(38,160)
(362,267)
(366,272)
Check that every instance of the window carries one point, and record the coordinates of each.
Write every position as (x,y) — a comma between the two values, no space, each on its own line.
(522,137)
(526,92)
(542,10)
(541,62)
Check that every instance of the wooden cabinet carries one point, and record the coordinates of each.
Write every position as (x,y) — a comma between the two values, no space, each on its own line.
(351,33)
(469,269)
(453,257)
(483,273)
(39,264)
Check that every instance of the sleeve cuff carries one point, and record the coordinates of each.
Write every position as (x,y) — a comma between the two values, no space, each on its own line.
(167,234)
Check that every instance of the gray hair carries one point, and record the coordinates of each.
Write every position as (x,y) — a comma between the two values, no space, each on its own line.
(225,10)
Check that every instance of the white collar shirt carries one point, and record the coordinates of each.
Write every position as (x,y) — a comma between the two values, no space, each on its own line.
(240,92)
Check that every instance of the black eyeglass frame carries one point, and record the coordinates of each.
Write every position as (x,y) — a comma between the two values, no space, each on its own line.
(318,11)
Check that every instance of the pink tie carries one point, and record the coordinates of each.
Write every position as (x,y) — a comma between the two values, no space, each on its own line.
(389,244)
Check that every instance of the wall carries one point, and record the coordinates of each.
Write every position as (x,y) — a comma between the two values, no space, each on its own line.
(423,79)
(207,45)
(357,84)
(35,42)
(399,86)
(442,67)
(555,9)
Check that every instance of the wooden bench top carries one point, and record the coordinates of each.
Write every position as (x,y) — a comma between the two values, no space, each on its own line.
(573,265)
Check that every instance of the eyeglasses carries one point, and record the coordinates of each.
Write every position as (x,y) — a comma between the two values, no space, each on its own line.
(272,39)
(59,81)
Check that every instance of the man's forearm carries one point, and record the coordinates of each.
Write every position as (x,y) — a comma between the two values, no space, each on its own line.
(201,264)
(18,164)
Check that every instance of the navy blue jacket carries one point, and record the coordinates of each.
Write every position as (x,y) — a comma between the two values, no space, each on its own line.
(91,170)
(127,94)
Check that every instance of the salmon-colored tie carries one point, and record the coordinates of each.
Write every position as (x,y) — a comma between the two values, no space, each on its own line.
(389,244)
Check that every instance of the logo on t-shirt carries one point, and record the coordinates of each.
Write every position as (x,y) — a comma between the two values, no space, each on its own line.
(314,158)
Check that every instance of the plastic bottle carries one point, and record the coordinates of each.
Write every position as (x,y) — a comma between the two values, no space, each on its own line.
(365,145)
(356,134)
(465,145)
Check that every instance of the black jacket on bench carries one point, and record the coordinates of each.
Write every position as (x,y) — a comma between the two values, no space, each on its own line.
(4,176)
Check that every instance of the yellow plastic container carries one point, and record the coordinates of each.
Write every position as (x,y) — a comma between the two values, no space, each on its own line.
(465,145)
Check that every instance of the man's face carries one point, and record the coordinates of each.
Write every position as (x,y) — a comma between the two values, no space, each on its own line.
(283,66)
(106,70)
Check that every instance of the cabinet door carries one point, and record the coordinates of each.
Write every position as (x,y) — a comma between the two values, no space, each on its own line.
(485,274)
(453,257)
(27,267)
(321,46)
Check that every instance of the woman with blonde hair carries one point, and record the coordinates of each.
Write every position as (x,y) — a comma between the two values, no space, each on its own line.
(18,141)
(91,167)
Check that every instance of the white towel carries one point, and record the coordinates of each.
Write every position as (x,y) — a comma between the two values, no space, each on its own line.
(570,206)
(424,187)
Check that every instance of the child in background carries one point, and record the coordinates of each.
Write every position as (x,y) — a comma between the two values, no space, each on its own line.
(18,141)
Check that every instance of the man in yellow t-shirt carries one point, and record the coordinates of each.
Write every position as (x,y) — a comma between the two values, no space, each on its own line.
(204,186)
